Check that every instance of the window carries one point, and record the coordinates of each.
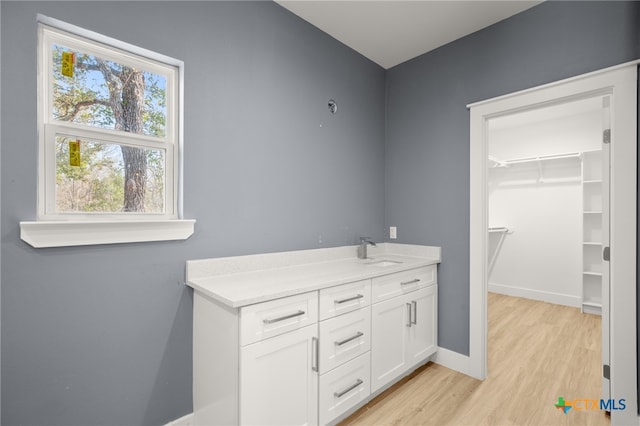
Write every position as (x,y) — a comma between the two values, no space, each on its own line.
(109,126)
(109,131)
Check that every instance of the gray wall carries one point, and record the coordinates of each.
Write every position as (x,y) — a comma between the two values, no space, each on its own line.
(427,132)
(101,335)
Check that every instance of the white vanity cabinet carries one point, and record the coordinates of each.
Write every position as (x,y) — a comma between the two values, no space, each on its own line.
(279,339)
(403,323)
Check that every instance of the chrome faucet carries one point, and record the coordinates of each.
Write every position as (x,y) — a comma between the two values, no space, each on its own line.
(362,248)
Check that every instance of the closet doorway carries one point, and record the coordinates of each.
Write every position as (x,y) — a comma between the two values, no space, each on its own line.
(619,83)
(547,198)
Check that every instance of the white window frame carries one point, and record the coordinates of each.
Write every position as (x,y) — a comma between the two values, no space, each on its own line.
(65,229)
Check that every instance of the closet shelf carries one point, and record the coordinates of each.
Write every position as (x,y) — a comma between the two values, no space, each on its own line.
(501,229)
(539,163)
(507,163)
(592,203)
(589,307)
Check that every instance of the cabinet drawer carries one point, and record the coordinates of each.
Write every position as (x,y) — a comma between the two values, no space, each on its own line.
(344,338)
(344,387)
(392,285)
(268,319)
(344,298)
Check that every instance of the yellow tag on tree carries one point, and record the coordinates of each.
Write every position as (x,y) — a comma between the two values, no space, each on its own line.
(74,153)
(68,62)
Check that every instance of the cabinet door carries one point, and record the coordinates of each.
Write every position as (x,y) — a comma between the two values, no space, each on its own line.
(278,384)
(422,335)
(389,325)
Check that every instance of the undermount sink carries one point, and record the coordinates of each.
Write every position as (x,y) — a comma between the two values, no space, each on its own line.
(384,263)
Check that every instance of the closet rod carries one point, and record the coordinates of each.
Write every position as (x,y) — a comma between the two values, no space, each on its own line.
(544,157)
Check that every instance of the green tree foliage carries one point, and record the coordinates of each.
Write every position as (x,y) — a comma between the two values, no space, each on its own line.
(93,186)
(108,95)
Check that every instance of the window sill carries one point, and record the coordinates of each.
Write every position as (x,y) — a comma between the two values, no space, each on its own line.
(40,234)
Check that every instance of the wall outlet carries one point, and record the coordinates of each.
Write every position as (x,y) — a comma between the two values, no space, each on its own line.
(393,232)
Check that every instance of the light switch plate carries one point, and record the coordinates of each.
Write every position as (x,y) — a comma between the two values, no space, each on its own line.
(393,232)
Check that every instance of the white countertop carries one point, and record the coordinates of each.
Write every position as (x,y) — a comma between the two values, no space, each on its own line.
(245,280)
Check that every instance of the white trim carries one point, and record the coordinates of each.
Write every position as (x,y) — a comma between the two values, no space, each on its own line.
(620,82)
(553,84)
(100,38)
(41,234)
(186,420)
(0,231)
(178,175)
(478,224)
(543,296)
(454,361)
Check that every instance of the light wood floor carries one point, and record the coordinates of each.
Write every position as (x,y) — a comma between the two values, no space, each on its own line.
(537,352)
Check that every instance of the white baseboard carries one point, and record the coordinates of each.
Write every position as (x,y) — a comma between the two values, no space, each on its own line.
(544,296)
(186,420)
(453,360)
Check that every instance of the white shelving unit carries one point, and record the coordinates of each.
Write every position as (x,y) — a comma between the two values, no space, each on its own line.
(592,232)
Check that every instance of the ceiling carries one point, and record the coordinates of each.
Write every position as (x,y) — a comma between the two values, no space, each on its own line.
(390,32)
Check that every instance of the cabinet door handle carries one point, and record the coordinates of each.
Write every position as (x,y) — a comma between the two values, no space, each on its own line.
(347,340)
(417,280)
(282,318)
(408,314)
(315,355)
(414,308)
(349,299)
(349,389)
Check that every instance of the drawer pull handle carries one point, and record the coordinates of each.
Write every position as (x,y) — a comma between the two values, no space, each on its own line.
(417,280)
(414,308)
(315,354)
(272,320)
(347,340)
(349,389)
(349,299)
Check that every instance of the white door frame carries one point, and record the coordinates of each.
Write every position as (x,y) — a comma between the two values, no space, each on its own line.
(621,83)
